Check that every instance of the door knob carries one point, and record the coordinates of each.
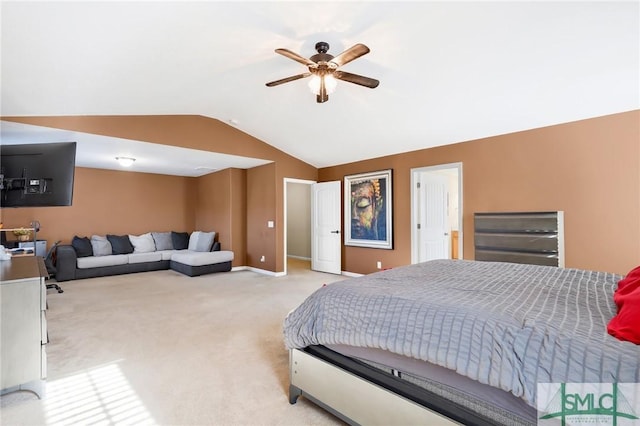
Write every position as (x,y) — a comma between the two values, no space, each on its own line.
(335,232)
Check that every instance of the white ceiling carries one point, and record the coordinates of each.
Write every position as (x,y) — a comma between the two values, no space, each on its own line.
(448,71)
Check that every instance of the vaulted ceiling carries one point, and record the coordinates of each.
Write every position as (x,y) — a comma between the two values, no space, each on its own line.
(449,71)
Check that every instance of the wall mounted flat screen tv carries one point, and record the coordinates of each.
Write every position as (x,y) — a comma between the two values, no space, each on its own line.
(37,175)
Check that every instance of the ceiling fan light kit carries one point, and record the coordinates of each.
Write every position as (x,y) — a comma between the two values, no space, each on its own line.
(330,84)
(323,68)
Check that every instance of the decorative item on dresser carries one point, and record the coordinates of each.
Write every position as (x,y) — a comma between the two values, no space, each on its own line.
(22,234)
(25,242)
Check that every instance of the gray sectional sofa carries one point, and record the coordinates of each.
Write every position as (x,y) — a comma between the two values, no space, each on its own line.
(193,255)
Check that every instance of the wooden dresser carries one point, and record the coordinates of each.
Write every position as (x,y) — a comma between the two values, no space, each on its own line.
(23,325)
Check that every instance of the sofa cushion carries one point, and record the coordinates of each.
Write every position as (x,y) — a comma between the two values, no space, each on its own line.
(162,240)
(120,244)
(180,240)
(82,245)
(142,243)
(97,261)
(101,246)
(194,258)
(201,241)
(166,254)
(153,256)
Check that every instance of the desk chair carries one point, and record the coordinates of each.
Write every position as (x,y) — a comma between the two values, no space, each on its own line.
(50,263)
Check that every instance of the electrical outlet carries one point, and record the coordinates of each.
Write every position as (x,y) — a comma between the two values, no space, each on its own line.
(262,259)
(379,265)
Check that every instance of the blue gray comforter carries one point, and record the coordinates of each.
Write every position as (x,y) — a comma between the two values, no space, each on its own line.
(506,325)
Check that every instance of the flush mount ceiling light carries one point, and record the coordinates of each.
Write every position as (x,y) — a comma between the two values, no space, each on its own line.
(324,69)
(125,161)
(205,169)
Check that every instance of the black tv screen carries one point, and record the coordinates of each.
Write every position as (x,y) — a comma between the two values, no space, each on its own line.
(37,175)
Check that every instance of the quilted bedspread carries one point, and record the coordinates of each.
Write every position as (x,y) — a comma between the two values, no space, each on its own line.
(503,324)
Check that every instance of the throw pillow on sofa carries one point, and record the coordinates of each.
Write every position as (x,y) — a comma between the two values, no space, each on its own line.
(142,243)
(120,244)
(162,240)
(201,241)
(82,245)
(180,240)
(101,246)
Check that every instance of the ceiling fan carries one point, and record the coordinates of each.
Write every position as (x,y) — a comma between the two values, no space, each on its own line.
(324,69)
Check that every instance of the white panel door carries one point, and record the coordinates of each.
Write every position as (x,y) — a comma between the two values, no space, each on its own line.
(433,217)
(326,227)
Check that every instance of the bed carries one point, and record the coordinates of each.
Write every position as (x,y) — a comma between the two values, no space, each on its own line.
(454,342)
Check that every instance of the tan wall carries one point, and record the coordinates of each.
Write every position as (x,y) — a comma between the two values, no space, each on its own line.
(590,169)
(239,215)
(221,207)
(114,202)
(261,208)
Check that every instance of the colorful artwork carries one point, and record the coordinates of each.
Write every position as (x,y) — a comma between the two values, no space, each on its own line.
(368,207)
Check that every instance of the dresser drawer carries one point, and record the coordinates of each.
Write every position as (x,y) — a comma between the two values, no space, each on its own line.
(43,362)
(43,295)
(44,335)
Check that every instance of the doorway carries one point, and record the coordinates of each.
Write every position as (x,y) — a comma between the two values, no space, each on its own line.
(436,212)
(297,223)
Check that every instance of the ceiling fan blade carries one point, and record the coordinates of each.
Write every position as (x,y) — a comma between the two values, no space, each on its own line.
(350,54)
(292,55)
(371,83)
(288,79)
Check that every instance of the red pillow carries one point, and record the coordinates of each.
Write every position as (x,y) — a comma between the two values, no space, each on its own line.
(626,324)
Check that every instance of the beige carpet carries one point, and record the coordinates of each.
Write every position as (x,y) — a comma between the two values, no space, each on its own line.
(163,348)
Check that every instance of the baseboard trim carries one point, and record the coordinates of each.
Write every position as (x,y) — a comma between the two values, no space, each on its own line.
(282,274)
(299,257)
(259,271)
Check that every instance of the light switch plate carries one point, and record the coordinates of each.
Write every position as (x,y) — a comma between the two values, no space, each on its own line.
(270,224)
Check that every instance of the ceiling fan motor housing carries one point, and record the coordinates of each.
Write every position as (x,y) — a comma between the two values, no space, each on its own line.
(322,47)
(322,60)
(321,57)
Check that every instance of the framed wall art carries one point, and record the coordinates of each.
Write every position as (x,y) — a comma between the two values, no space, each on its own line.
(368,219)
